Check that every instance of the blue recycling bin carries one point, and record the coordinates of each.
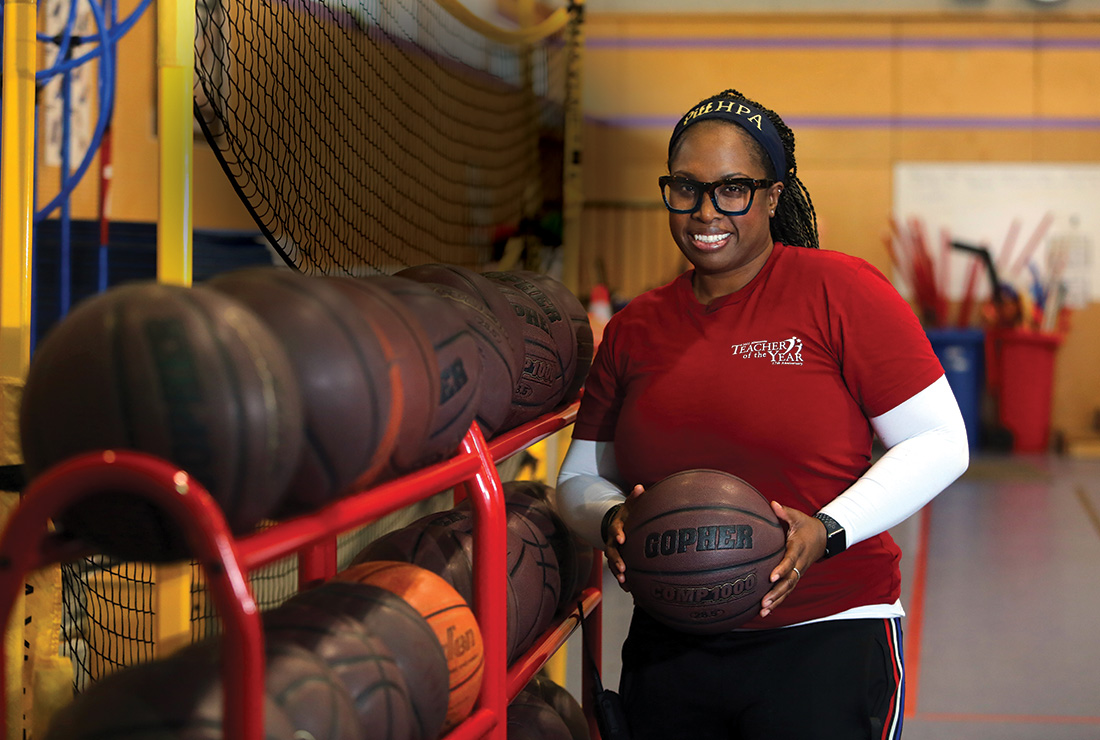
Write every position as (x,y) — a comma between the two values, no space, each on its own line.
(962,354)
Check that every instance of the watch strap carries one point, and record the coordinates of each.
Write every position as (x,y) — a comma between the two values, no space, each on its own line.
(836,540)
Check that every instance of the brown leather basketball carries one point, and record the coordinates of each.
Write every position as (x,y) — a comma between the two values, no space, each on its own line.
(346,373)
(416,377)
(700,547)
(578,315)
(188,374)
(458,363)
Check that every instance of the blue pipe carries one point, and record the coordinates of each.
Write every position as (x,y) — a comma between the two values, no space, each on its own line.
(65,41)
(65,258)
(103,273)
(116,33)
(106,98)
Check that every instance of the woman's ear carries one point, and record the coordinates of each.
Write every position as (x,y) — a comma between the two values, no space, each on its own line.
(773,197)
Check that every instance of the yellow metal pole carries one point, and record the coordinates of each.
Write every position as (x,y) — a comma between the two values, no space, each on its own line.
(176,69)
(172,608)
(16,218)
(175,113)
(16,196)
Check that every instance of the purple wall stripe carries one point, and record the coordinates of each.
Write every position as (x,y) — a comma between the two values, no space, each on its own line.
(844,42)
(907,122)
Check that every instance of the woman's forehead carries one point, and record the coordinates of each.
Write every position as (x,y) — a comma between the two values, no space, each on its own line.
(717,147)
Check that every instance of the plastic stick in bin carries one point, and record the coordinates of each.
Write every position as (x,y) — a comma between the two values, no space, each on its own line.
(1004,310)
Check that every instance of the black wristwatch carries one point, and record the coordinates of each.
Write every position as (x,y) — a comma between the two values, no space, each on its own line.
(836,541)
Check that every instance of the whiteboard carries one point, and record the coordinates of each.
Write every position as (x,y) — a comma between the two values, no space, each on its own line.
(1031,216)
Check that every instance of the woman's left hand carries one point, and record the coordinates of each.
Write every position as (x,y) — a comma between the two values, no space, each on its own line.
(805,546)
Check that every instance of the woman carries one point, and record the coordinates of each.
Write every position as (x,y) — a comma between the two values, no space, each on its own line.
(777,362)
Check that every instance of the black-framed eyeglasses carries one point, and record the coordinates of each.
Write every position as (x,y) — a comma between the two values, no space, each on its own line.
(732,196)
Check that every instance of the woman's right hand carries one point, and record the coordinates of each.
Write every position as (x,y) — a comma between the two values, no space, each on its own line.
(616,536)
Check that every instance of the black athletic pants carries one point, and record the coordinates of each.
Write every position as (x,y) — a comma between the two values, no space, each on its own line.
(836,680)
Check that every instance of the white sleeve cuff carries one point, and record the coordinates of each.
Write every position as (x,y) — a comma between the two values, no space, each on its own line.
(926,451)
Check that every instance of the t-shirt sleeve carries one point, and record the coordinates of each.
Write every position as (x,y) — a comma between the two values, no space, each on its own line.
(602,399)
(885,355)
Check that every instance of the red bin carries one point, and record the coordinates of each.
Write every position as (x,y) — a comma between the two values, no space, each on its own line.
(1021,378)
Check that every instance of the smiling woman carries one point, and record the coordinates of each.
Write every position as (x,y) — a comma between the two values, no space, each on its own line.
(776,362)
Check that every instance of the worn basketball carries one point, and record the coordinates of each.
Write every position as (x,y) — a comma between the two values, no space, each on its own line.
(533,500)
(443,543)
(429,544)
(542,381)
(500,364)
(700,546)
(187,374)
(561,328)
(481,290)
(170,697)
(407,635)
(361,662)
(314,699)
(417,375)
(450,617)
(562,702)
(346,374)
(530,717)
(458,363)
(534,585)
(578,315)
(466,280)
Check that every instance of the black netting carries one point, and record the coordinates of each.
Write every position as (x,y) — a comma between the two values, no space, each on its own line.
(369,135)
(107,616)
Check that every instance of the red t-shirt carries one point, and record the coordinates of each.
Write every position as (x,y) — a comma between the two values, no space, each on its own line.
(775,384)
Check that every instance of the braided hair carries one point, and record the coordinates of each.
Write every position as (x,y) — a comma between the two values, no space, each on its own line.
(795,221)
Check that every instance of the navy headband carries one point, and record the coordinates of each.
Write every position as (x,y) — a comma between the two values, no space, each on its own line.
(736,111)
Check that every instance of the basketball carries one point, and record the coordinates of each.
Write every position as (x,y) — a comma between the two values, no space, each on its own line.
(466,280)
(562,702)
(447,613)
(534,585)
(429,544)
(187,374)
(360,661)
(175,697)
(458,363)
(314,700)
(407,635)
(500,363)
(700,545)
(346,376)
(481,290)
(542,380)
(417,382)
(561,327)
(578,315)
(532,500)
(530,717)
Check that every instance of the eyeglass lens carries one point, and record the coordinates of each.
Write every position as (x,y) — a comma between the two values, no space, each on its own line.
(728,196)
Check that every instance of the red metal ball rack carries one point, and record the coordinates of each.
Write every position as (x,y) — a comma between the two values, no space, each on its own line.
(27,544)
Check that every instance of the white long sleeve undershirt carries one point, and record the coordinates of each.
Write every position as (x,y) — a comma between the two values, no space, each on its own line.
(926,449)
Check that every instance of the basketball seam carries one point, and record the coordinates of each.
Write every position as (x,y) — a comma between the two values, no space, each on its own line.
(700,571)
(231,497)
(705,507)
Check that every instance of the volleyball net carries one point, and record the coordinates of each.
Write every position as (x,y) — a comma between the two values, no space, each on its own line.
(368,135)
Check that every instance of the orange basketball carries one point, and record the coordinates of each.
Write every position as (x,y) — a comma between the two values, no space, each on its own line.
(448,614)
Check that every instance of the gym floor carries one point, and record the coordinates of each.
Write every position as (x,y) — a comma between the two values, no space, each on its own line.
(1001,585)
